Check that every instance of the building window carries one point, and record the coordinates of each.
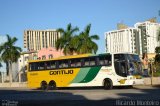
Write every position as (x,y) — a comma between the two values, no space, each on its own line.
(35,57)
(26,58)
(43,57)
(50,56)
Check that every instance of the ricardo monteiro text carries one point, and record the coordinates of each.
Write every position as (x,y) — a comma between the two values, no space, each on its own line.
(61,72)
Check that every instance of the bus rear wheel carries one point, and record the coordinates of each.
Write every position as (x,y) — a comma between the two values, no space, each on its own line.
(43,85)
(108,84)
(52,85)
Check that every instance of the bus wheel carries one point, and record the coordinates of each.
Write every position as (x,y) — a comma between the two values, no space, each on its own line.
(52,85)
(108,84)
(43,85)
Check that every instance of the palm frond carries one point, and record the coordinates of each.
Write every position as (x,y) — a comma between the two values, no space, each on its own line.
(74,30)
(94,37)
(69,27)
(87,29)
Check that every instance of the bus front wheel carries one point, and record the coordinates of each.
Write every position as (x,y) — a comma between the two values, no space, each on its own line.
(108,84)
(43,85)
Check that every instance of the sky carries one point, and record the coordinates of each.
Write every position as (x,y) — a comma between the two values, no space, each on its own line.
(19,15)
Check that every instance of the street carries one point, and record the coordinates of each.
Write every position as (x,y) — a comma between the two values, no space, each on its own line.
(141,95)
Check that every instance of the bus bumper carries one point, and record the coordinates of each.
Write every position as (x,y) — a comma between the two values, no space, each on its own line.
(138,82)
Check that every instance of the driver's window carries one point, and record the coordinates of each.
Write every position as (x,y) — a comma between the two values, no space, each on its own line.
(121,68)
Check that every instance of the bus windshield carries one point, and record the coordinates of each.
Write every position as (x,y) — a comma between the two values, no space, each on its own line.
(135,65)
(127,64)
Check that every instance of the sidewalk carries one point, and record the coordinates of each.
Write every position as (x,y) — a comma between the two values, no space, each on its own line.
(14,84)
(148,80)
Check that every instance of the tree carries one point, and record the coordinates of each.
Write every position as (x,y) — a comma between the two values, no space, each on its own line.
(157,49)
(0,67)
(65,41)
(10,53)
(158,35)
(84,42)
(0,63)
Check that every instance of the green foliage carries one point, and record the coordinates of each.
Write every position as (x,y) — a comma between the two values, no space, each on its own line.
(156,74)
(157,58)
(0,63)
(84,41)
(157,49)
(9,52)
(65,41)
(156,69)
(80,44)
(158,35)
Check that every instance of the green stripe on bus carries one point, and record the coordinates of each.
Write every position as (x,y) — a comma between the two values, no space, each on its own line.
(81,75)
(91,74)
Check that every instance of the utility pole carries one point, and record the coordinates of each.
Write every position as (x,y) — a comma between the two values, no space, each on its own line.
(151,70)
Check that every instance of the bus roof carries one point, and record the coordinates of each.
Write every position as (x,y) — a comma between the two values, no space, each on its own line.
(69,57)
(124,53)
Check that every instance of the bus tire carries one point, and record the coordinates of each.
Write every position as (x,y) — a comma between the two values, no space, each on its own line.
(108,84)
(129,87)
(43,85)
(52,85)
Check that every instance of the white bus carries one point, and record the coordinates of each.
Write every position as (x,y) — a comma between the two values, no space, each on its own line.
(107,70)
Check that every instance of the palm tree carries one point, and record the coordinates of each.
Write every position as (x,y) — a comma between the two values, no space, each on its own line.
(0,63)
(85,43)
(65,41)
(157,49)
(10,53)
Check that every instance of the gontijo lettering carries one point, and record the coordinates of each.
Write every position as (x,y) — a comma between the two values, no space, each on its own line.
(58,72)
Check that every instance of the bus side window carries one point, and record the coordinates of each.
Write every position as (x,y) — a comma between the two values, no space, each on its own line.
(36,65)
(65,63)
(101,60)
(86,61)
(53,64)
(107,60)
(73,63)
(31,67)
(60,64)
(41,66)
(48,65)
(92,61)
(78,63)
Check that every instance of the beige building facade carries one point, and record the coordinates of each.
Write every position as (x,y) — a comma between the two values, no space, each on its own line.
(38,39)
(142,38)
(123,40)
(148,36)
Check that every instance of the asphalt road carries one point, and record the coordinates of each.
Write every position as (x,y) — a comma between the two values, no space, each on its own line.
(139,95)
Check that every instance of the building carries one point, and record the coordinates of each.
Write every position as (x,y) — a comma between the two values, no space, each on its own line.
(20,67)
(38,39)
(148,39)
(49,53)
(123,40)
(140,39)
